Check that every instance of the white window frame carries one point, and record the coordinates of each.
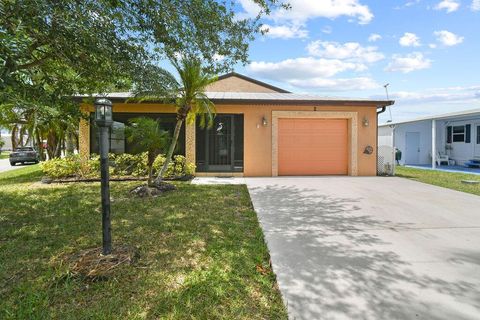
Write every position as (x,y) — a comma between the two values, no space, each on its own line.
(459,134)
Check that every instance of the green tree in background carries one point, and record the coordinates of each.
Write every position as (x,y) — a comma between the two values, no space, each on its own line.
(188,96)
(51,50)
(146,135)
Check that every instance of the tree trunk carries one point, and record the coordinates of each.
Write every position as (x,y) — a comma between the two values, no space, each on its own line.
(14,137)
(40,146)
(150,176)
(70,147)
(169,155)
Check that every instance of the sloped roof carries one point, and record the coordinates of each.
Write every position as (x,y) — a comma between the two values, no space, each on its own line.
(255,81)
(266,98)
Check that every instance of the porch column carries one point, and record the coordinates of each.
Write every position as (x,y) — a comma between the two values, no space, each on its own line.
(434,146)
(84,137)
(190,143)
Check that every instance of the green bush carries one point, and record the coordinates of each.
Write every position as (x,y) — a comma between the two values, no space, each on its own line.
(120,166)
(130,165)
(62,167)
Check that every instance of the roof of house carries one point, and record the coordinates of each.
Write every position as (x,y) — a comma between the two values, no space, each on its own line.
(266,98)
(436,117)
(264,93)
(255,81)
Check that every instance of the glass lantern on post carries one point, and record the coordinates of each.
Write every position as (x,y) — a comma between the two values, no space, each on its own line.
(104,120)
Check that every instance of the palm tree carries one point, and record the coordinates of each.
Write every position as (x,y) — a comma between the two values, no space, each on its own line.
(188,95)
(147,135)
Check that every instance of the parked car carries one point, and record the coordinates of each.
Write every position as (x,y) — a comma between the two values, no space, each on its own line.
(23,155)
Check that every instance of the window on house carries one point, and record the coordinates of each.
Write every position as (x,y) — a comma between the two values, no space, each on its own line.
(478,134)
(468,129)
(458,134)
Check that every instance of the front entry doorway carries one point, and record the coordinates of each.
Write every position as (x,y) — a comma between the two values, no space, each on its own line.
(220,147)
(412,148)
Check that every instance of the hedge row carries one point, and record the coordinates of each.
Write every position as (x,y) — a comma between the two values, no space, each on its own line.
(122,165)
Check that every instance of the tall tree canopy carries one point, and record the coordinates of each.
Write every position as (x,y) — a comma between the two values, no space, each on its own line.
(51,49)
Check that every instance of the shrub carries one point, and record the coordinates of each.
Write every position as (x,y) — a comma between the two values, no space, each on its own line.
(130,165)
(62,167)
(120,165)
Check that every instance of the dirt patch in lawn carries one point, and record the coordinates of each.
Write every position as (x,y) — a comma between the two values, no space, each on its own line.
(92,265)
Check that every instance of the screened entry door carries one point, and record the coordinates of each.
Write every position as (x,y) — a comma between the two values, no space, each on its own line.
(220,144)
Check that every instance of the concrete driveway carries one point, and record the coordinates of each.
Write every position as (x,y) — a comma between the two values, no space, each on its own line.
(371,248)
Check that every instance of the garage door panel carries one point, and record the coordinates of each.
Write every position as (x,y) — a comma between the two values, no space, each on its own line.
(312,147)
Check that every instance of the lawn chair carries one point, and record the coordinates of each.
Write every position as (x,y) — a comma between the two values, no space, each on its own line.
(442,157)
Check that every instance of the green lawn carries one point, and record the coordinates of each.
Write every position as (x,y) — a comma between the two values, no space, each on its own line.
(199,248)
(4,155)
(441,178)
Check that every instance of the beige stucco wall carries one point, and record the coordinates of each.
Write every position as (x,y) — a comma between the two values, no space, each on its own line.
(235,84)
(258,138)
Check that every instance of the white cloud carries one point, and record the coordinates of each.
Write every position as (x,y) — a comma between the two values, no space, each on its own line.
(448,5)
(303,10)
(374,37)
(408,63)
(314,73)
(407,4)
(351,51)
(302,68)
(409,40)
(448,38)
(475,5)
(432,45)
(285,31)
(346,84)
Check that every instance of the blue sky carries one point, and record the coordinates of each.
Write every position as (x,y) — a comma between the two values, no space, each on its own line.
(429,51)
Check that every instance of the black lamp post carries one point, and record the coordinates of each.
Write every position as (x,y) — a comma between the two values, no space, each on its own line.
(104,120)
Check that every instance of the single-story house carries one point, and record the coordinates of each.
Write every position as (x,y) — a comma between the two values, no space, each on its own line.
(7,139)
(261,130)
(434,139)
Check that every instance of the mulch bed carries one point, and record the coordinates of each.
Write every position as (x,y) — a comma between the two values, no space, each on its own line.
(152,191)
(91,265)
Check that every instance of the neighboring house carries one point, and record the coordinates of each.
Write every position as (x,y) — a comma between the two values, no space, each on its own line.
(261,130)
(424,140)
(7,138)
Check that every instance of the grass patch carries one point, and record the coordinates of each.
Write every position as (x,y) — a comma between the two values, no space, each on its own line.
(450,180)
(201,249)
(4,155)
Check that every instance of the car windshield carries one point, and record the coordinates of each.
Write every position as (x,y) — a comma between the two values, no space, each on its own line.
(24,149)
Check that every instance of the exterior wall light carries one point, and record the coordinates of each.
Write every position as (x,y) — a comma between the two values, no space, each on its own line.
(264,121)
(104,120)
(366,123)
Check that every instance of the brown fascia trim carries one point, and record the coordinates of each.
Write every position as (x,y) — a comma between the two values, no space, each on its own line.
(358,103)
(260,83)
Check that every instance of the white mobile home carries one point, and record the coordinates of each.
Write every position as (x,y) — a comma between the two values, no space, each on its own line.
(450,139)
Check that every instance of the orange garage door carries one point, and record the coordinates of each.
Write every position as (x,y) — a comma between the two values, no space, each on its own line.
(312,147)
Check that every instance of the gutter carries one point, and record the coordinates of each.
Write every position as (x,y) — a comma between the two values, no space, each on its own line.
(384,108)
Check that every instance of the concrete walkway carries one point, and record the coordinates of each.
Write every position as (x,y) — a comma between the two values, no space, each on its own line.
(371,248)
